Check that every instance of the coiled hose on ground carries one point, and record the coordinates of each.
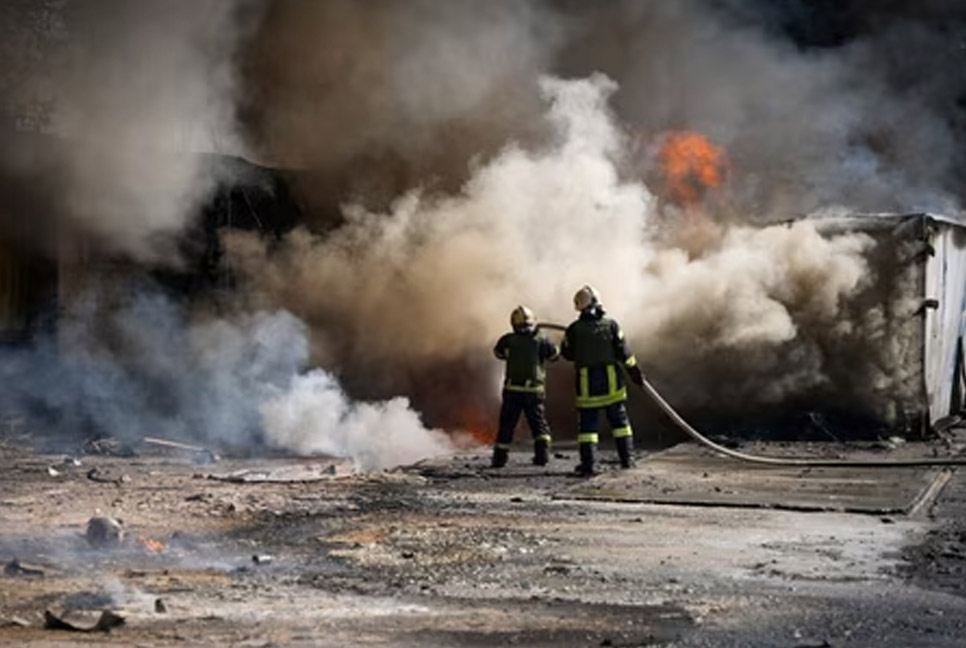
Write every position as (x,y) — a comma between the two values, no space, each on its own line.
(679,421)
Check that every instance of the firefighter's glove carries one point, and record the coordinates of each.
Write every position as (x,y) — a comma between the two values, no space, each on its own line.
(637,376)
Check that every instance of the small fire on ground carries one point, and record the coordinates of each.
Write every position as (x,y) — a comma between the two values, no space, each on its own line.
(151,544)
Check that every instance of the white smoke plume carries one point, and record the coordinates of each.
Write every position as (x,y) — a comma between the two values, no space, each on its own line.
(314,416)
(153,368)
(463,199)
(432,281)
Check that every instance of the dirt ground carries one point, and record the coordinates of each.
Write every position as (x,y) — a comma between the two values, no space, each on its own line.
(450,552)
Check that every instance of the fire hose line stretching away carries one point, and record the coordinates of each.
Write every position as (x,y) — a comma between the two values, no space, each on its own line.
(679,421)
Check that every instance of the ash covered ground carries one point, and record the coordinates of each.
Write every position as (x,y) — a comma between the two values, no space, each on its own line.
(450,552)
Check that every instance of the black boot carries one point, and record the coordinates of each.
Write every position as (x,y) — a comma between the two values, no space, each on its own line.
(625,449)
(500,455)
(541,452)
(588,453)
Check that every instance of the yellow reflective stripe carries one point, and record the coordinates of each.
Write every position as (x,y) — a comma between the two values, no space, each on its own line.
(521,388)
(544,437)
(611,379)
(587,437)
(502,446)
(620,334)
(630,362)
(584,384)
(588,402)
(621,432)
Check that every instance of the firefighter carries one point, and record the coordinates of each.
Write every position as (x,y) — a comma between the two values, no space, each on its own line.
(525,352)
(596,346)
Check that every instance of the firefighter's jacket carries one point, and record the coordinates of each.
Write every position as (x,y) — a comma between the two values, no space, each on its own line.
(525,352)
(597,347)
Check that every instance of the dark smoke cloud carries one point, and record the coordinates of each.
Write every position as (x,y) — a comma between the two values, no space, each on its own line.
(136,92)
(373,98)
(449,172)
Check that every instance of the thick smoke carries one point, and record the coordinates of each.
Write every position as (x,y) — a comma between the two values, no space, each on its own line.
(438,195)
(138,91)
(151,367)
(432,281)
(804,129)
(369,99)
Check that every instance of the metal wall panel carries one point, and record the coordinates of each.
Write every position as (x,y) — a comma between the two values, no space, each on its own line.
(946,285)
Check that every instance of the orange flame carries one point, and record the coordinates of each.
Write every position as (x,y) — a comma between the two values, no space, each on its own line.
(478,424)
(691,165)
(151,545)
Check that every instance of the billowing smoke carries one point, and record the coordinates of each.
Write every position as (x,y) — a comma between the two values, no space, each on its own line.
(447,172)
(369,99)
(431,282)
(135,93)
(151,367)
(804,129)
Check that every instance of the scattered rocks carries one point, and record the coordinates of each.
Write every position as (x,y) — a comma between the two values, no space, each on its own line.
(81,622)
(104,532)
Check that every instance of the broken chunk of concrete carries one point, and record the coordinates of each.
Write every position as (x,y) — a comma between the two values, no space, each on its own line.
(103,532)
(14,622)
(17,568)
(97,475)
(78,621)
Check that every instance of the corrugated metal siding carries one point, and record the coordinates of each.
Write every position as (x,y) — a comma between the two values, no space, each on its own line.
(945,283)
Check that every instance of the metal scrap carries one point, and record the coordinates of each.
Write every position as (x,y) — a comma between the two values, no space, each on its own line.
(17,568)
(202,455)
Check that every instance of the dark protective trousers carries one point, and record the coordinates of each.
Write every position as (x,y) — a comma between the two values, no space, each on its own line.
(589,422)
(532,407)
(587,436)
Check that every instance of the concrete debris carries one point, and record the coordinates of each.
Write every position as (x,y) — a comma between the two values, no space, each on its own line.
(77,621)
(160,607)
(287,474)
(14,622)
(72,461)
(104,532)
(262,559)
(108,446)
(17,568)
(97,475)
(53,472)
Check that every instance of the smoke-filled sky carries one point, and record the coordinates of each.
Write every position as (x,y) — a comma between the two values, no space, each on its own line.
(454,158)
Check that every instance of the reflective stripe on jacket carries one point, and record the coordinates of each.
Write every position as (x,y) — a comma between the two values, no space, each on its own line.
(596,345)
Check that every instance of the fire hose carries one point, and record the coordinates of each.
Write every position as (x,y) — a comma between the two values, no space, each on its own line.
(686,427)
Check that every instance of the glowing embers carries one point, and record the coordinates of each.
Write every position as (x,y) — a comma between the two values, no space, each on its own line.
(151,545)
(478,424)
(691,165)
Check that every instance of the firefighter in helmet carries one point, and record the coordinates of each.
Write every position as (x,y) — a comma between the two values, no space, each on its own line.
(596,345)
(525,352)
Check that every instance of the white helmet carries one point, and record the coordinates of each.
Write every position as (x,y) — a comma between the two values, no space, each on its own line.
(585,298)
(522,317)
